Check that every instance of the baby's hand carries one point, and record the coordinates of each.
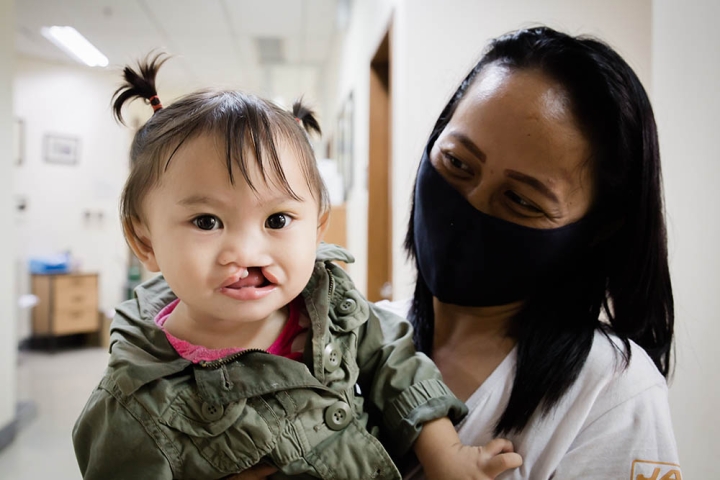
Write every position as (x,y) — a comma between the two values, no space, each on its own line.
(465,462)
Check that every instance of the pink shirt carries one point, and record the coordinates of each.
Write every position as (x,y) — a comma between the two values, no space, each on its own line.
(197,353)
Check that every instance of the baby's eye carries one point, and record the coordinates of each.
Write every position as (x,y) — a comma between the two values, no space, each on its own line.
(207,222)
(276,221)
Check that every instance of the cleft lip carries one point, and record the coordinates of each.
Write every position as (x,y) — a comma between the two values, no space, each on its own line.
(242,273)
(269,276)
(232,282)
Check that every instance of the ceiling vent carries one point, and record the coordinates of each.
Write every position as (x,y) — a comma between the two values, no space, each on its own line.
(271,50)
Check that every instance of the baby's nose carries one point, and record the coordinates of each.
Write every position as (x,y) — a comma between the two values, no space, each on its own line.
(244,251)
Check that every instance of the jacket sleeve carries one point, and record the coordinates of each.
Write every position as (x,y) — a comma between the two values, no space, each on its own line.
(403,384)
(110,444)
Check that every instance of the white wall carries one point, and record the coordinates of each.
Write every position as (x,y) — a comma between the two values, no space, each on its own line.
(8,343)
(74,101)
(686,96)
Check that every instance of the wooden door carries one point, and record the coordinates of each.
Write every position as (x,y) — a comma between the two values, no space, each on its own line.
(380,176)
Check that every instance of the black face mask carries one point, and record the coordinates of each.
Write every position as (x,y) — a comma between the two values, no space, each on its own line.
(469,258)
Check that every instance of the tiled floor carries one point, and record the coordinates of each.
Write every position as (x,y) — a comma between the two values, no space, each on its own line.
(59,385)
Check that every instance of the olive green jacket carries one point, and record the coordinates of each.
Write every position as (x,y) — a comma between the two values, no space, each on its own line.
(157,416)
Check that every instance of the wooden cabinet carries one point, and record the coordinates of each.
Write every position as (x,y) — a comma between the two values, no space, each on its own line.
(67,304)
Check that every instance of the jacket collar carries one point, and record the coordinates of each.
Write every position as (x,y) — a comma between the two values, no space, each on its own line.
(140,352)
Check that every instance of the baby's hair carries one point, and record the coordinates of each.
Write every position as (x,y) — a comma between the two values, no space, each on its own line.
(306,117)
(138,85)
(245,124)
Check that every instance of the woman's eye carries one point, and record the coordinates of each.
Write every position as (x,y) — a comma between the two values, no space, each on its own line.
(518,200)
(207,222)
(277,221)
(455,163)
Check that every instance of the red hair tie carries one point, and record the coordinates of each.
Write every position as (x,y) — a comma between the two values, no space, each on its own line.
(155,102)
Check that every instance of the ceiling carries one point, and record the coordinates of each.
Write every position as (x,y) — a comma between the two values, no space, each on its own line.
(231,43)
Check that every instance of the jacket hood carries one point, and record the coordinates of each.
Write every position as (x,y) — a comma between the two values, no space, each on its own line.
(328,252)
(139,350)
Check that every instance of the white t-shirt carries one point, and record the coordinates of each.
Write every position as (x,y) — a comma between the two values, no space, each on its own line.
(611,424)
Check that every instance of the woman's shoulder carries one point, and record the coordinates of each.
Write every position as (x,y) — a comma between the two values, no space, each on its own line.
(620,375)
(609,349)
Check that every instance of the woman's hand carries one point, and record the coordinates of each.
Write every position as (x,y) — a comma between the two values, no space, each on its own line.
(258,472)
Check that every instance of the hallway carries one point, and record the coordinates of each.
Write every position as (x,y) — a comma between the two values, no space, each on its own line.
(52,390)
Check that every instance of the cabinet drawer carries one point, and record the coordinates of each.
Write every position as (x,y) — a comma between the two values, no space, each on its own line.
(75,293)
(75,320)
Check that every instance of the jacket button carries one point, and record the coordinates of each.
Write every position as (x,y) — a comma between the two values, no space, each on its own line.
(347,306)
(211,412)
(338,415)
(332,356)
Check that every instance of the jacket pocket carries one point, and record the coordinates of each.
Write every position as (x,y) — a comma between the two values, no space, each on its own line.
(230,437)
(352,453)
(193,416)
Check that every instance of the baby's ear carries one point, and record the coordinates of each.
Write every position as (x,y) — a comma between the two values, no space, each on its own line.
(323,223)
(138,237)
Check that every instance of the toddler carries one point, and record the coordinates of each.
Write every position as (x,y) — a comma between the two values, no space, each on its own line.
(253,348)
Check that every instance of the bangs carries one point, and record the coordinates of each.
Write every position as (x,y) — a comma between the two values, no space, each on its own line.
(247,128)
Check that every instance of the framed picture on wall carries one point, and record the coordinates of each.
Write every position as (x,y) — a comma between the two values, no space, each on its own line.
(61,149)
(345,143)
(18,141)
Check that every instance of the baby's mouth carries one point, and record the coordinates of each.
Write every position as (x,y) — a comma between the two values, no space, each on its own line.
(254,279)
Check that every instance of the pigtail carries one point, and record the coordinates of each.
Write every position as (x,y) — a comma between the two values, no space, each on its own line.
(306,117)
(139,85)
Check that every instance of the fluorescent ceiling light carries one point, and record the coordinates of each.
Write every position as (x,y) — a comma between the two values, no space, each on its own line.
(74,44)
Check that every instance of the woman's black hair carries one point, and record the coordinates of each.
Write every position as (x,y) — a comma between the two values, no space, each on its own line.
(625,272)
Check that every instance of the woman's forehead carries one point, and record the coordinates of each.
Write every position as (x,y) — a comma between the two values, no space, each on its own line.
(523,92)
(517,107)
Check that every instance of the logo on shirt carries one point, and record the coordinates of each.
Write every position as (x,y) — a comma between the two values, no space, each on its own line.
(645,470)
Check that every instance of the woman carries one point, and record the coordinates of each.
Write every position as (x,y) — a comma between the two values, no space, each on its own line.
(543,291)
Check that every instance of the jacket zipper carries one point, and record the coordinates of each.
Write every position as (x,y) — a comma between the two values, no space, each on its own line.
(331,290)
(229,359)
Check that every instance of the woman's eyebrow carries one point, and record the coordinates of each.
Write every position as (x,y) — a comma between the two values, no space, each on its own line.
(534,183)
(467,143)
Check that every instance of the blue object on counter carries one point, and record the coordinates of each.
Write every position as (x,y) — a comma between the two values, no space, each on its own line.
(50,264)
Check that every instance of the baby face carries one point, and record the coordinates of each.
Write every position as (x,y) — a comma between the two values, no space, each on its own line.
(229,252)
